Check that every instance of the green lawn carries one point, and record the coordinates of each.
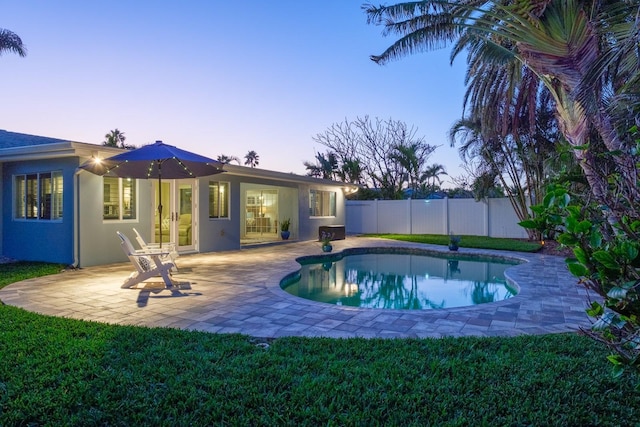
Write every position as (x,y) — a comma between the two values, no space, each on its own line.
(56,371)
(479,242)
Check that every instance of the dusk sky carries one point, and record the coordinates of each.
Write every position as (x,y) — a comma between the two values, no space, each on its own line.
(217,77)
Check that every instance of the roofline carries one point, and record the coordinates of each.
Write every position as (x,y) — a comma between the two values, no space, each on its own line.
(83,149)
(56,150)
(280,176)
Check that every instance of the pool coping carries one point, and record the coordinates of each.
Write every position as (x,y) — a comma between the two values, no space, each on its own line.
(239,292)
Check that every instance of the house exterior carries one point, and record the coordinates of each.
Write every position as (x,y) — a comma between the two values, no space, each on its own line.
(53,211)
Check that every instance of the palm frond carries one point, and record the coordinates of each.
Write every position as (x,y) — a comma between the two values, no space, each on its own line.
(11,42)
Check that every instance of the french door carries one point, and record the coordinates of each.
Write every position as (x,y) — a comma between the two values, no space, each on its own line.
(178,223)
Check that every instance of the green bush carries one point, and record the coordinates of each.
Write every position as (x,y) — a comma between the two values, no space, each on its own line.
(606,262)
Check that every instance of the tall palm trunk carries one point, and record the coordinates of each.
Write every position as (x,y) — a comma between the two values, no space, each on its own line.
(625,163)
(574,125)
(563,53)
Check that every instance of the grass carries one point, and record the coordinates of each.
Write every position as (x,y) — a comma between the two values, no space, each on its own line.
(17,271)
(479,242)
(58,371)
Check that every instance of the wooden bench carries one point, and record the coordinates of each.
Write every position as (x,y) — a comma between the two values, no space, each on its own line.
(337,231)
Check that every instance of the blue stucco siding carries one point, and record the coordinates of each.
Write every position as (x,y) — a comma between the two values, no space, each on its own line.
(39,240)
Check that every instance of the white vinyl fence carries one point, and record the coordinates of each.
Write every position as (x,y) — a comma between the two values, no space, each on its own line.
(493,217)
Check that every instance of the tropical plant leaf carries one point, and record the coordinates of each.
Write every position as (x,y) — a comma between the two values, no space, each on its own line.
(577,269)
(606,259)
(567,239)
(581,255)
(583,226)
(617,292)
(608,320)
(595,240)
(528,223)
(630,251)
(595,309)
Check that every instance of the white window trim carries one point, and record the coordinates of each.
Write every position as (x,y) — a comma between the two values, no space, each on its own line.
(228,197)
(120,202)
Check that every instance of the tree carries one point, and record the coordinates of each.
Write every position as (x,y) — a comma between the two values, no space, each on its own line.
(514,161)
(581,51)
(351,171)
(116,138)
(412,158)
(479,181)
(510,125)
(326,166)
(585,55)
(378,154)
(222,158)
(10,42)
(431,176)
(252,159)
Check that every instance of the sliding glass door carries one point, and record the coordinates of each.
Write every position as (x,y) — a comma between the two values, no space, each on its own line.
(261,213)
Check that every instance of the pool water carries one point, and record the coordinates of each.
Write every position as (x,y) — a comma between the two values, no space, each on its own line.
(401,281)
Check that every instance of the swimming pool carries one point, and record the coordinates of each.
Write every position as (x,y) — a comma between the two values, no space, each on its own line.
(409,280)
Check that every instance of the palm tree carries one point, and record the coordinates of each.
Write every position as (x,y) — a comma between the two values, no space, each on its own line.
(10,42)
(585,54)
(581,51)
(222,158)
(252,159)
(115,138)
(407,157)
(326,166)
(510,129)
(411,158)
(431,175)
(351,171)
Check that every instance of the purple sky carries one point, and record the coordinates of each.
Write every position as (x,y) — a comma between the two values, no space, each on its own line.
(217,77)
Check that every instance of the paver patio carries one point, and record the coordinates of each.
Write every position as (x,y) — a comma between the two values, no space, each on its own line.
(239,292)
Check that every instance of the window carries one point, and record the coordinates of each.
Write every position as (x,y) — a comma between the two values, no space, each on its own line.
(322,203)
(119,198)
(38,196)
(218,199)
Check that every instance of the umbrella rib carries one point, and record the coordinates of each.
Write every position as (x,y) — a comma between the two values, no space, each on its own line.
(111,168)
(150,168)
(183,166)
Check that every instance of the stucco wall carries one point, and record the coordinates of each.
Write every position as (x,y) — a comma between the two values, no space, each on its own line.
(34,239)
(310,225)
(99,244)
(219,234)
(98,241)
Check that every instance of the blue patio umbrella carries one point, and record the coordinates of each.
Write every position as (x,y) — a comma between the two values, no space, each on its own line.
(152,161)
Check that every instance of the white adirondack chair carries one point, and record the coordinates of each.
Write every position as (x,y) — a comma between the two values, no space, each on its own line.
(167,247)
(148,264)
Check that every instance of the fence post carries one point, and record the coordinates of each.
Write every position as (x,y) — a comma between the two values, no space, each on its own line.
(410,215)
(487,232)
(446,216)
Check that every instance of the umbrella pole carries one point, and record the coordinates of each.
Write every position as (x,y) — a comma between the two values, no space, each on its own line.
(160,200)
